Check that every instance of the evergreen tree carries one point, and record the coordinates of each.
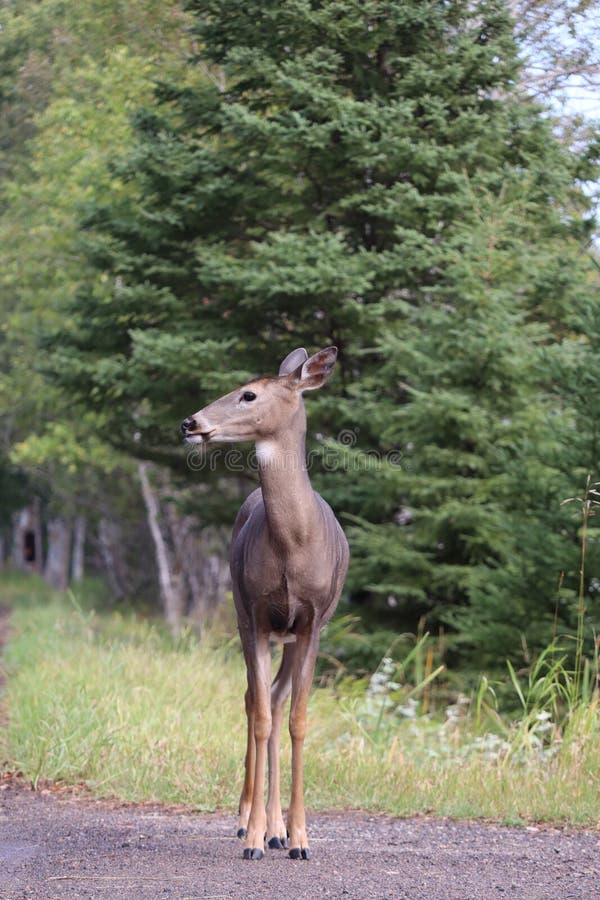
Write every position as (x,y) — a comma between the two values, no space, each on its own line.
(361,173)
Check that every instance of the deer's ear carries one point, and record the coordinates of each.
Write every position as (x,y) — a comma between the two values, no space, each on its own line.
(316,370)
(293,361)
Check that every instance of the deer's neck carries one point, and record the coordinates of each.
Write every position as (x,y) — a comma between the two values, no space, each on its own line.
(291,506)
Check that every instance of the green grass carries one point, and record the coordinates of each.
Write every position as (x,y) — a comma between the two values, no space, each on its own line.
(111,701)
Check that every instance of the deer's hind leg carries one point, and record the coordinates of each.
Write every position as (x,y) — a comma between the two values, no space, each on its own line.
(249,766)
(302,675)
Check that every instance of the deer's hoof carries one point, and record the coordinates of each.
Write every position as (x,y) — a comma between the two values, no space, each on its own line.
(276,843)
(253,853)
(242,833)
(300,853)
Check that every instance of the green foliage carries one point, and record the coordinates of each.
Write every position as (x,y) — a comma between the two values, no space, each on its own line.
(366,174)
(325,197)
(69,82)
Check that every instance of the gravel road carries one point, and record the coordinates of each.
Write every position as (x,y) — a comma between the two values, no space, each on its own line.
(54,845)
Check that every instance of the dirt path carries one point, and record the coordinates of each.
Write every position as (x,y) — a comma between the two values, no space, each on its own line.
(56,846)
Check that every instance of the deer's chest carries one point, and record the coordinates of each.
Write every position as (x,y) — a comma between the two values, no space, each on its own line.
(279,577)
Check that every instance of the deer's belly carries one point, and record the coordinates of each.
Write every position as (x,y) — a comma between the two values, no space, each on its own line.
(289,638)
(281,608)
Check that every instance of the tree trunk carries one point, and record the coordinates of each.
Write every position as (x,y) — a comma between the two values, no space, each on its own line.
(27,538)
(109,539)
(208,565)
(170,581)
(77,564)
(56,571)
(201,558)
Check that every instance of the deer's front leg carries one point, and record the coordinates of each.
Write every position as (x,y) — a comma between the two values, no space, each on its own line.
(304,666)
(259,679)
(276,830)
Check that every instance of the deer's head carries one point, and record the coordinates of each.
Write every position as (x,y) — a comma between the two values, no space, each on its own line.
(256,411)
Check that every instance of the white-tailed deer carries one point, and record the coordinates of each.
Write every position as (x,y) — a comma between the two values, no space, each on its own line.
(289,558)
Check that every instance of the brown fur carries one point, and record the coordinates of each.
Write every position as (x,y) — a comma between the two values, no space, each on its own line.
(289,558)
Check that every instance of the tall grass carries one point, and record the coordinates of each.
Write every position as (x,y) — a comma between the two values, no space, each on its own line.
(111,701)
(589,505)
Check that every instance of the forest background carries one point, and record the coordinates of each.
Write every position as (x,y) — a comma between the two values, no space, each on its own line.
(187,194)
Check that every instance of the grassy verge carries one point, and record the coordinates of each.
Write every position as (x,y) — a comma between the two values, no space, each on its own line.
(111,701)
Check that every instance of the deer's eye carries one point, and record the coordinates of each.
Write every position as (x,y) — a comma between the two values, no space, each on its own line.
(248,396)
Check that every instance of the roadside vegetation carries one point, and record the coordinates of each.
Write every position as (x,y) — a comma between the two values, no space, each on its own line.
(190,191)
(110,701)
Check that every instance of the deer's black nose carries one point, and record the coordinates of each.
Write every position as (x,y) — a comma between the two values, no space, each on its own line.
(188,424)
